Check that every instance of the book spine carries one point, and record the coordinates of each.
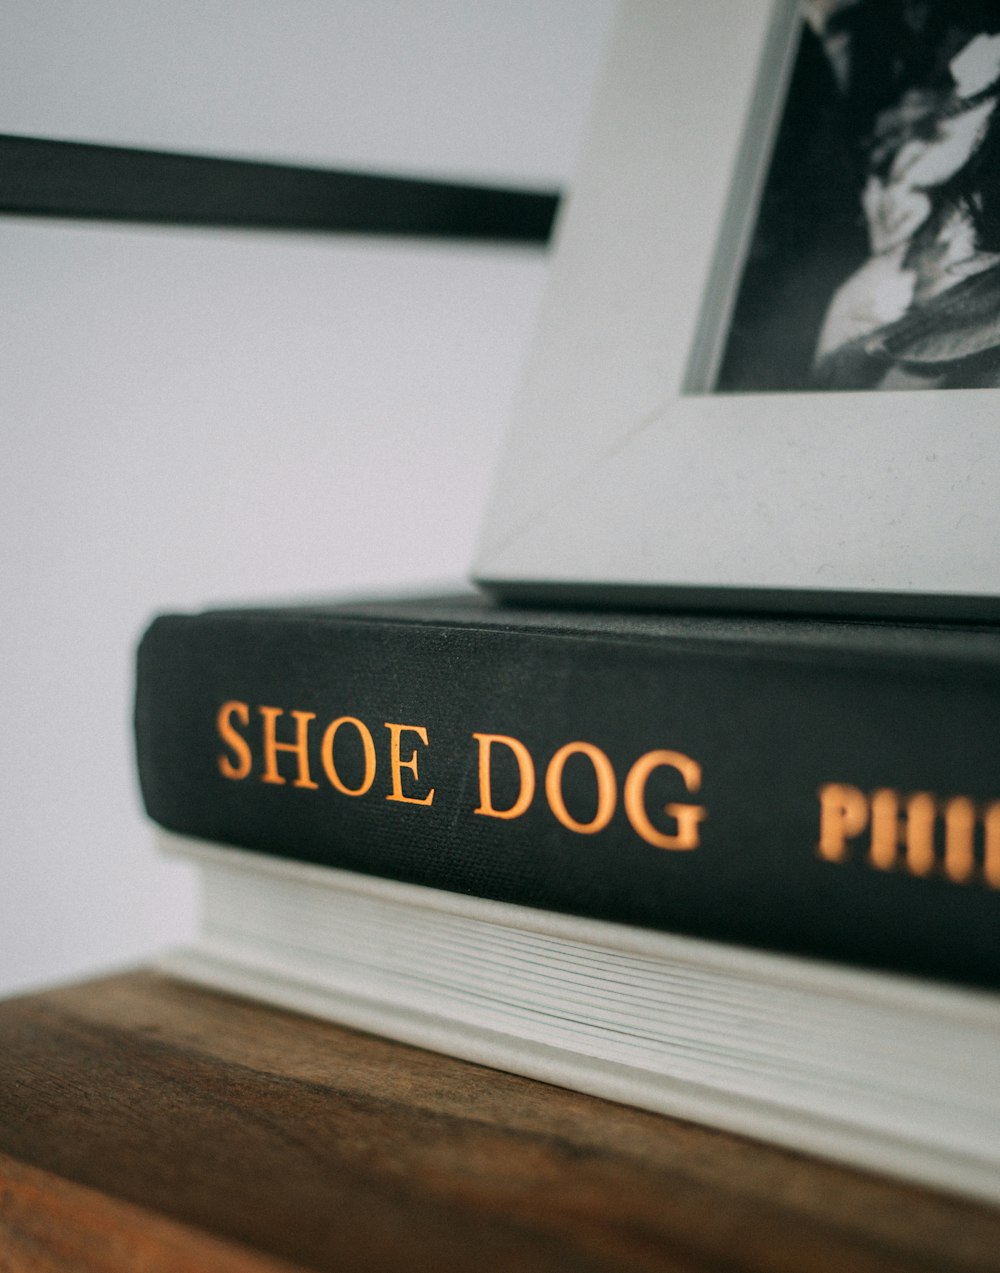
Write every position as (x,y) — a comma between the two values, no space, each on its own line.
(799,801)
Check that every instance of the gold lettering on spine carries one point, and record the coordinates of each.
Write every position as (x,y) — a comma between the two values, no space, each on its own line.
(526,772)
(913,822)
(886,829)
(959,830)
(687,816)
(326,755)
(300,748)
(397,764)
(921,811)
(843,815)
(607,788)
(991,858)
(889,831)
(236,742)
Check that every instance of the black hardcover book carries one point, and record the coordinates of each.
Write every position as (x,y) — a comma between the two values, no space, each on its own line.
(830,789)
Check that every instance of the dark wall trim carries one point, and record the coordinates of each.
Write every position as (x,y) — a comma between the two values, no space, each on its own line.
(44,178)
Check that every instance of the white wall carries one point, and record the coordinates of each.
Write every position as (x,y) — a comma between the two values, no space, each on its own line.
(191,416)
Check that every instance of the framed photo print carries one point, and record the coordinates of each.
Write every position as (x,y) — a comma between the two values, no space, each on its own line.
(767,371)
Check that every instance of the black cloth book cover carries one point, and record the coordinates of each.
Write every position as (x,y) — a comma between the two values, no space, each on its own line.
(830,789)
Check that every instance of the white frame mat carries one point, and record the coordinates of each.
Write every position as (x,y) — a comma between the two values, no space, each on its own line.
(621,480)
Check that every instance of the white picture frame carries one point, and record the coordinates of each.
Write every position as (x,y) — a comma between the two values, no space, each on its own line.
(625,480)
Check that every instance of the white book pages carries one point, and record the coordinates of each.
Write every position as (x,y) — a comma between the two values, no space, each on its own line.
(877,1070)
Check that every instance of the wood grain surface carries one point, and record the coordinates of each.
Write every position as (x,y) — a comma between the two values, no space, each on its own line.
(170,1119)
(49,1224)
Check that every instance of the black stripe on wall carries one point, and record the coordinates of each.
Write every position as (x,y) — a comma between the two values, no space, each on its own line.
(45,178)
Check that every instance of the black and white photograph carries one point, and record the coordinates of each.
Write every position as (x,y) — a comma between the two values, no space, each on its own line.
(782,205)
(874,261)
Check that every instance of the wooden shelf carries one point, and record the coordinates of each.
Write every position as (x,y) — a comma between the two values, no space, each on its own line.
(145,1124)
